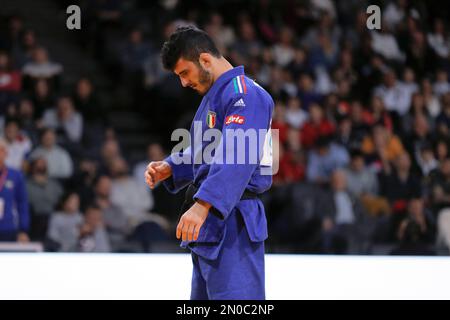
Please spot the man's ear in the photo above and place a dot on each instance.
(205, 60)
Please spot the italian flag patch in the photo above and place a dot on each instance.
(211, 119)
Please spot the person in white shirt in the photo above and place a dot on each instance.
(395, 95)
(66, 118)
(59, 162)
(19, 144)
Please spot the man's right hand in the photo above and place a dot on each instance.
(157, 171)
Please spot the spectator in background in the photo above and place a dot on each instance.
(128, 194)
(44, 194)
(59, 162)
(222, 35)
(155, 152)
(324, 159)
(443, 120)
(23, 47)
(93, 236)
(64, 226)
(395, 96)
(441, 86)
(134, 52)
(381, 145)
(27, 119)
(110, 150)
(247, 45)
(10, 82)
(439, 40)
(42, 68)
(14, 215)
(360, 179)
(42, 98)
(432, 103)
(19, 145)
(440, 188)
(341, 221)
(317, 126)
(416, 232)
(295, 116)
(400, 185)
(307, 93)
(115, 220)
(67, 122)
(426, 160)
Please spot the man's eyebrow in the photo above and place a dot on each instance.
(185, 70)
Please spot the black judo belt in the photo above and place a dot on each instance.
(192, 190)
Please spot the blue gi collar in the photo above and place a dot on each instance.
(224, 79)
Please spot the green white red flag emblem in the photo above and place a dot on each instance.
(211, 119)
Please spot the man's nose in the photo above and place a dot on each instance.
(184, 82)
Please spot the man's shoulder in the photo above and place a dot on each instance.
(242, 88)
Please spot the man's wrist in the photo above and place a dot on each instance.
(204, 204)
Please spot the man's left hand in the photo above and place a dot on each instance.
(192, 220)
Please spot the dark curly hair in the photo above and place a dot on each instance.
(187, 42)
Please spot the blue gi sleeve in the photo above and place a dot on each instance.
(226, 182)
(21, 199)
(182, 173)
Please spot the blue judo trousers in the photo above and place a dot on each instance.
(228, 256)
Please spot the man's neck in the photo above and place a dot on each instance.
(221, 67)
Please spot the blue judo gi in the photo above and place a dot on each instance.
(228, 256)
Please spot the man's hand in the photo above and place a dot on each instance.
(192, 220)
(157, 171)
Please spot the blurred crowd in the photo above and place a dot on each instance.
(363, 118)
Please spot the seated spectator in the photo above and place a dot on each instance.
(443, 119)
(307, 93)
(19, 145)
(441, 86)
(279, 121)
(426, 160)
(416, 234)
(59, 162)
(441, 149)
(93, 236)
(439, 186)
(420, 137)
(115, 220)
(27, 119)
(67, 122)
(42, 68)
(342, 219)
(317, 126)
(395, 96)
(379, 114)
(128, 194)
(360, 179)
(432, 101)
(14, 215)
(291, 166)
(400, 185)
(439, 40)
(42, 98)
(325, 158)
(295, 116)
(110, 150)
(44, 194)
(381, 144)
(155, 152)
(10, 82)
(64, 225)
(87, 103)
